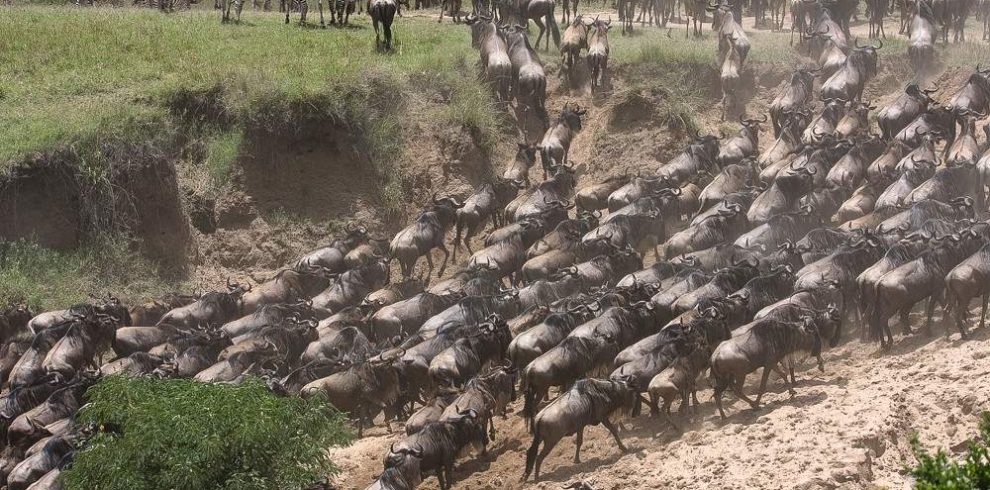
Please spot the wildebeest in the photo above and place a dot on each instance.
(524, 160)
(425, 234)
(382, 12)
(486, 202)
(528, 75)
(905, 108)
(921, 47)
(487, 37)
(106, 306)
(37, 465)
(439, 444)
(848, 82)
(587, 402)
(288, 285)
(363, 390)
(725, 22)
(14, 322)
(765, 345)
(64, 402)
(924, 277)
(796, 96)
(974, 96)
(150, 312)
(722, 227)
(532, 343)
(556, 141)
(214, 308)
(349, 288)
(404, 317)
(81, 343)
(574, 41)
(938, 120)
(469, 355)
(967, 280)
(332, 256)
(598, 52)
(488, 395)
(730, 79)
(744, 145)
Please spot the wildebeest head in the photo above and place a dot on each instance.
(571, 117)
(865, 58)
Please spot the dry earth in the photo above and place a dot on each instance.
(846, 428)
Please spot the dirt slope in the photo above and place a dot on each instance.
(848, 427)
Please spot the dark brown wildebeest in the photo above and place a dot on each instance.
(966, 281)
(725, 23)
(696, 10)
(540, 12)
(437, 446)
(904, 109)
(598, 53)
(488, 38)
(796, 96)
(524, 160)
(574, 41)
(424, 235)
(383, 12)
(766, 344)
(485, 203)
(974, 96)
(455, 9)
(557, 140)
(586, 402)
(854, 120)
(744, 145)
(363, 390)
(214, 308)
(570, 9)
(287, 286)
(528, 76)
(848, 82)
(730, 81)
(921, 47)
(877, 10)
(900, 289)
(14, 322)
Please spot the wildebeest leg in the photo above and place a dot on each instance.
(763, 385)
(319, 3)
(543, 454)
(446, 255)
(905, 323)
(580, 432)
(737, 388)
(543, 29)
(615, 434)
(983, 311)
(929, 312)
(720, 386)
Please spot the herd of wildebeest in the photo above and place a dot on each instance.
(762, 254)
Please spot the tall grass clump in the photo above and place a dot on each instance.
(48, 279)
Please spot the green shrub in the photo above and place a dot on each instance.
(939, 472)
(181, 434)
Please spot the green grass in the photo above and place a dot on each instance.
(70, 72)
(48, 279)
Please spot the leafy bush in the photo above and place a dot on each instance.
(183, 434)
(938, 472)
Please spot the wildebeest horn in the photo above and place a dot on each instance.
(878, 46)
(435, 200)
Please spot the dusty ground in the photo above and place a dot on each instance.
(848, 428)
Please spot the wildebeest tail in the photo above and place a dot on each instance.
(552, 27)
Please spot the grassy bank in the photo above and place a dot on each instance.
(47, 279)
